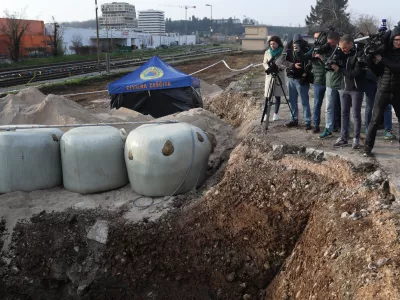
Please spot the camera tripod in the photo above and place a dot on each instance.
(268, 100)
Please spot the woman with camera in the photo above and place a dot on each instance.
(272, 62)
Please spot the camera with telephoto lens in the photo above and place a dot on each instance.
(321, 45)
(334, 59)
(272, 67)
(376, 45)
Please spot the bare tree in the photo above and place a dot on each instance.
(366, 23)
(390, 23)
(77, 41)
(57, 38)
(14, 28)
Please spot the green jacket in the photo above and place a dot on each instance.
(318, 69)
(333, 80)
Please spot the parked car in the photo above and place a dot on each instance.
(150, 47)
(162, 47)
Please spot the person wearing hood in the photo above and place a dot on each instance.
(274, 53)
(351, 93)
(387, 67)
(299, 79)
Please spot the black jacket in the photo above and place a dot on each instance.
(388, 69)
(296, 57)
(353, 75)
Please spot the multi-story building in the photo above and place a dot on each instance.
(118, 15)
(152, 21)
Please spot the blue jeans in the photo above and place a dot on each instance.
(295, 90)
(331, 114)
(319, 93)
(370, 92)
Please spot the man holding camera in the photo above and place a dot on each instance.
(333, 83)
(351, 93)
(318, 70)
(387, 67)
(299, 84)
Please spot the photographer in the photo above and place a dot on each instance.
(333, 84)
(387, 67)
(351, 94)
(370, 89)
(319, 75)
(273, 65)
(299, 79)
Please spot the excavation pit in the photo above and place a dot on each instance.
(281, 226)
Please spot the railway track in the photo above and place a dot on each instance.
(18, 76)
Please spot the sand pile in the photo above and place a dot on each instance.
(30, 106)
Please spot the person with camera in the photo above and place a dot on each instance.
(333, 83)
(299, 79)
(370, 89)
(387, 67)
(319, 75)
(351, 93)
(273, 66)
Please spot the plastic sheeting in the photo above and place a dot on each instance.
(30, 160)
(162, 158)
(93, 159)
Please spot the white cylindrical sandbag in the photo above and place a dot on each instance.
(158, 158)
(30, 159)
(93, 159)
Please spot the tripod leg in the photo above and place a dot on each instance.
(268, 103)
(268, 111)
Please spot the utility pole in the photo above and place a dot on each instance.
(186, 32)
(211, 27)
(97, 32)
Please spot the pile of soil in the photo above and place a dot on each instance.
(30, 106)
(228, 244)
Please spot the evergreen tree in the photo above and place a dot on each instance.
(329, 13)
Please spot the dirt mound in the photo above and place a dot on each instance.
(230, 244)
(32, 107)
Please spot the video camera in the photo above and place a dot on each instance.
(272, 67)
(376, 45)
(321, 45)
(334, 59)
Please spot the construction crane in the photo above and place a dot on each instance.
(186, 8)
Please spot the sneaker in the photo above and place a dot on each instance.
(308, 127)
(292, 124)
(356, 144)
(367, 150)
(325, 134)
(275, 118)
(389, 135)
(340, 143)
(316, 130)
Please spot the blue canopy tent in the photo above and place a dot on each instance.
(156, 89)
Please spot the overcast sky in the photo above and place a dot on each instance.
(271, 12)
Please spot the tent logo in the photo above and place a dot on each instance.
(151, 73)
